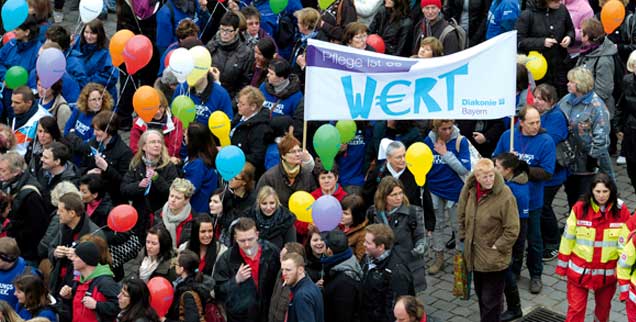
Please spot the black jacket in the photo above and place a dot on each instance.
(394, 33)
(491, 129)
(534, 26)
(234, 61)
(157, 196)
(382, 286)
(336, 17)
(118, 156)
(253, 136)
(278, 229)
(47, 182)
(425, 29)
(477, 17)
(191, 311)
(28, 217)
(244, 302)
(306, 304)
(342, 291)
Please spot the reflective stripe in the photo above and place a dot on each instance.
(632, 296)
(562, 263)
(598, 271)
(623, 288)
(591, 243)
(623, 264)
(569, 236)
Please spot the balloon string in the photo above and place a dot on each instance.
(98, 230)
(108, 82)
(78, 27)
(210, 19)
(101, 143)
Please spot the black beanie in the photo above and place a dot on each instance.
(88, 253)
(336, 240)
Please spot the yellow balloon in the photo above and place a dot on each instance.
(300, 203)
(419, 160)
(202, 62)
(537, 65)
(219, 125)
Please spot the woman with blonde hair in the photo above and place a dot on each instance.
(92, 99)
(150, 174)
(274, 222)
(177, 214)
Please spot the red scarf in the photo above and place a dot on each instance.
(481, 193)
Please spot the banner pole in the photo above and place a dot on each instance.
(512, 133)
(304, 135)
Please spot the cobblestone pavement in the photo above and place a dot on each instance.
(441, 304)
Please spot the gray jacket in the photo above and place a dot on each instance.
(601, 63)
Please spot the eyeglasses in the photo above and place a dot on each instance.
(295, 151)
(226, 30)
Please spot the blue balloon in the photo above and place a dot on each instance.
(14, 13)
(230, 162)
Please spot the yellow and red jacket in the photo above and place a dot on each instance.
(625, 273)
(591, 244)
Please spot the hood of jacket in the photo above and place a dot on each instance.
(292, 88)
(433, 135)
(100, 270)
(349, 267)
(607, 48)
(521, 178)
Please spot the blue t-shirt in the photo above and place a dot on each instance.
(442, 180)
(556, 125)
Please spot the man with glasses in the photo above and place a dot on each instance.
(231, 55)
(245, 274)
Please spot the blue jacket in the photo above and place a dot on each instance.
(70, 87)
(351, 162)
(162, 66)
(6, 281)
(98, 66)
(502, 17)
(205, 181)
(218, 99)
(306, 303)
(81, 124)
(537, 151)
(286, 102)
(16, 53)
(520, 189)
(45, 313)
(444, 178)
(168, 20)
(556, 125)
(269, 20)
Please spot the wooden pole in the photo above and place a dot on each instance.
(512, 133)
(304, 135)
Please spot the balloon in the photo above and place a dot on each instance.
(612, 15)
(230, 162)
(347, 130)
(202, 62)
(7, 36)
(537, 65)
(219, 125)
(376, 42)
(300, 204)
(419, 160)
(327, 212)
(324, 4)
(327, 144)
(161, 294)
(166, 61)
(181, 64)
(14, 13)
(277, 5)
(117, 45)
(137, 53)
(90, 9)
(16, 76)
(122, 218)
(50, 66)
(183, 108)
(146, 102)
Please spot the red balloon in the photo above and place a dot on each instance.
(122, 218)
(8, 36)
(166, 61)
(376, 42)
(161, 294)
(137, 53)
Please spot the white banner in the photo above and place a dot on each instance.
(344, 83)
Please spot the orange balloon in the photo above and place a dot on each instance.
(146, 102)
(117, 44)
(612, 15)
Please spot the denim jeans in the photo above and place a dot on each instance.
(534, 261)
(549, 222)
(517, 254)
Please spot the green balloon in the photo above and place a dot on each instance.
(183, 108)
(16, 76)
(327, 144)
(277, 6)
(347, 130)
(324, 4)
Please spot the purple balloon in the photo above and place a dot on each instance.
(326, 212)
(50, 66)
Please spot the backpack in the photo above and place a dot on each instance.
(627, 29)
(474, 154)
(461, 33)
(619, 73)
(212, 312)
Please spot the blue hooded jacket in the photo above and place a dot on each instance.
(6, 281)
(556, 125)
(70, 87)
(98, 66)
(16, 53)
(205, 181)
(81, 124)
(217, 100)
(502, 17)
(351, 162)
(168, 18)
(521, 192)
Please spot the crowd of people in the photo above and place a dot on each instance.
(232, 249)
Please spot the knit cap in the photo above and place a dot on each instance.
(88, 253)
(437, 3)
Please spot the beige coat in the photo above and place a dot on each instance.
(492, 221)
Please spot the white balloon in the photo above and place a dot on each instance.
(90, 9)
(181, 64)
